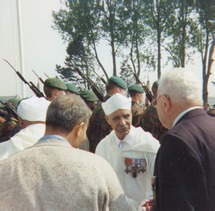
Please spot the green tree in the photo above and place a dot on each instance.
(139, 33)
(140, 36)
(81, 18)
(125, 73)
(156, 18)
(119, 23)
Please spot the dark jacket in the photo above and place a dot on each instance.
(185, 165)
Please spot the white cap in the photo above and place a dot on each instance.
(33, 109)
(116, 102)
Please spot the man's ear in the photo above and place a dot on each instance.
(55, 91)
(166, 104)
(73, 136)
(78, 129)
(107, 119)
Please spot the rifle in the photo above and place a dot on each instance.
(92, 84)
(46, 75)
(10, 108)
(38, 77)
(147, 91)
(36, 91)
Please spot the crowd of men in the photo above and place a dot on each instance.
(68, 151)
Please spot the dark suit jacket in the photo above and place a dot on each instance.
(185, 165)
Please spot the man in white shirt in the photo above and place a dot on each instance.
(32, 114)
(130, 151)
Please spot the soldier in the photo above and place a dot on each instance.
(98, 127)
(53, 87)
(9, 121)
(136, 93)
(129, 150)
(9, 126)
(71, 89)
(89, 98)
(150, 121)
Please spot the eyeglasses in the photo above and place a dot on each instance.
(155, 101)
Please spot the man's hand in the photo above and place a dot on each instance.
(148, 205)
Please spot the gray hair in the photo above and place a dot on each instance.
(66, 111)
(181, 85)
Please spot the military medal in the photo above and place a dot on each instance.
(135, 166)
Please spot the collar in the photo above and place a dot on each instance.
(55, 137)
(128, 139)
(183, 113)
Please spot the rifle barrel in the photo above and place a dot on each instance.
(147, 91)
(30, 84)
(38, 77)
(92, 84)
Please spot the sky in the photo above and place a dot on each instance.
(41, 46)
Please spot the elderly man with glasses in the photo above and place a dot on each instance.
(184, 168)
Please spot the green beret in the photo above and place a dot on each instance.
(88, 95)
(72, 88)
(118, 81)
(55, 83)
(14, 102)
(155, 84)
(135, 88)
(2, 106)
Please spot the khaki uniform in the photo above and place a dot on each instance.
(151, 123)
(98, 128)
(137, 112)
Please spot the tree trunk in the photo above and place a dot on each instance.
(209, 69)
(205, 71)
(113, 57)
(183, 39)
(137, 55)
(98, 60)
(158, 40)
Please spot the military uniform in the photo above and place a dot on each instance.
(151, 123)
(9, 128)
(136, 109)
(137, 112)
(98, 127)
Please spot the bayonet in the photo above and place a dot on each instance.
(36, 91)
(38, 77)
(147, 91)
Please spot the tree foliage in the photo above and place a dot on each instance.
(143, 35)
